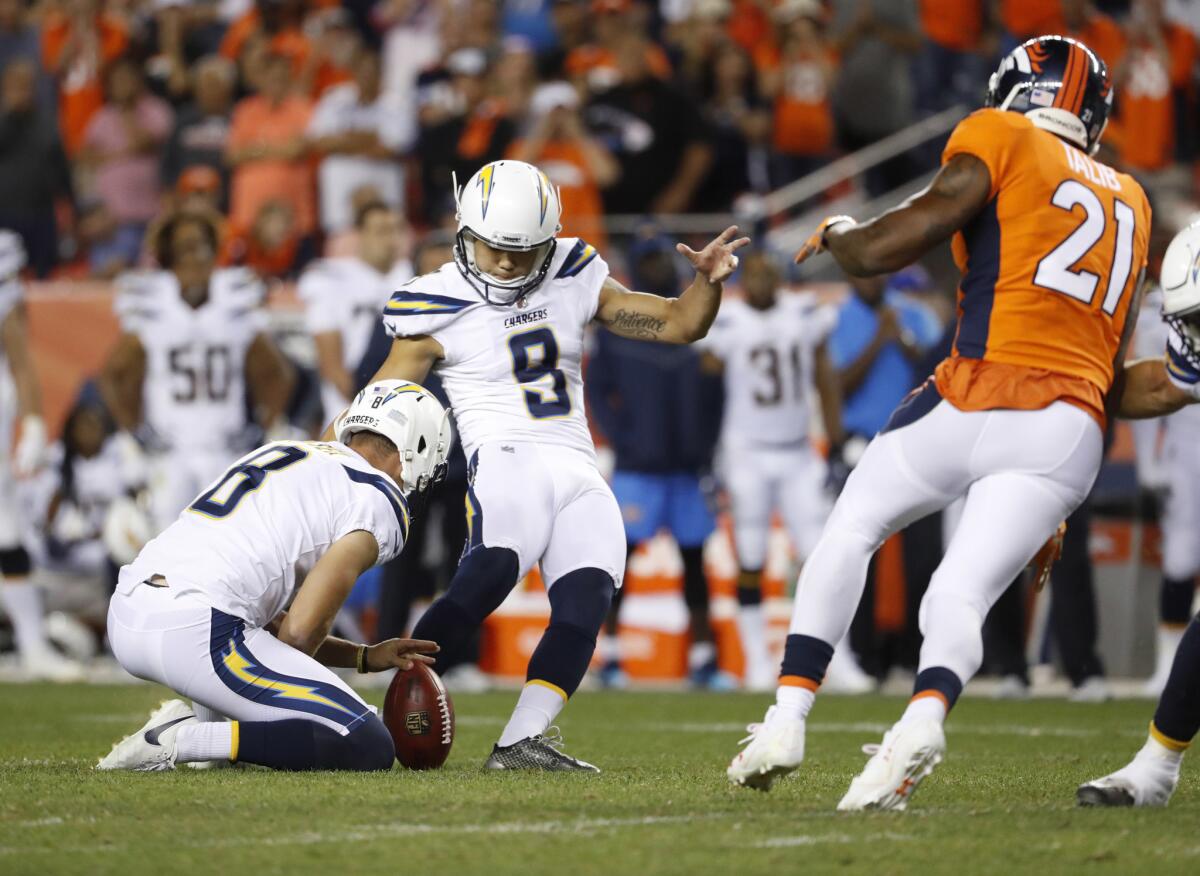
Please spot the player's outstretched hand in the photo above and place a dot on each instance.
(717, 260)
(816, 241)
(400, 654)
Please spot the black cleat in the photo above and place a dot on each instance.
(537, 753)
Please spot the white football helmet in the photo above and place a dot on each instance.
(1180, 280)
(410, 417)
(508, 205)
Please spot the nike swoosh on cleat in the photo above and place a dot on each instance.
(151, 735)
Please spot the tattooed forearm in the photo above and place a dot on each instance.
(637, 325)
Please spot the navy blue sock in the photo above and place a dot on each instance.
(1175, 600)
(483, 579)
(941, 681)
(1178, 714)
(805, 657)
(579, 603)
(749, 587)
(297, 744)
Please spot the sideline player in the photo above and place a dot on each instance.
(1052, 246)
(193, 339)
(503, 327)
(20, 397)
(343, 297)
(772, 351)
(1150, 778)
(202, 608)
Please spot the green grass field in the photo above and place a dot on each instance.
(1001, 803)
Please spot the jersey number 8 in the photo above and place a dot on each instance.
(535, 357)
(243, 478)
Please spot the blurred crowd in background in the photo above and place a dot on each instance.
(296, 133)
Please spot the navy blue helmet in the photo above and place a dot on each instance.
(1060, 84)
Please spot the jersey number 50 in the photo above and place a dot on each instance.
(245, 477)
(535, 357)
(1054, 271)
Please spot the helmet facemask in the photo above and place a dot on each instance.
(495, 290)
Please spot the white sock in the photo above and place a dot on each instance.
(204, 741)
(752, 631)
(1168, 643)
(537, 707)
(206, 715)
(610, 649)
(793, 701)
(1156, 749)
(929, 708)
(701, 654)
(23, 602)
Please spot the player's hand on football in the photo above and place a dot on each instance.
(400, 654)
(816, 241)
(717, 260)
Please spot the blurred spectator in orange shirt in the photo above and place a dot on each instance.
(615, 23)
(267, 150)
(123, 145)
(1083, 21)
(950, 68)
(797, 78)
(1022, 19)
(578, 164)
(273, 246)
(1158, 62)
(77, 44)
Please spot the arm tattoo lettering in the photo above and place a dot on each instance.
(637, 325)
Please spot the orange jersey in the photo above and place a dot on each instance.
(1049, 269)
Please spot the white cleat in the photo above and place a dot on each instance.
(46, 664)
(1093, 690)
(152, 748)
(776, 747)
(1148, 780)
(908, 753)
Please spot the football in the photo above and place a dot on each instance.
(420, 716)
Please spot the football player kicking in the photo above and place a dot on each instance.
(503, 325)
(1150, 778)
(201, 609)
(1052, 245)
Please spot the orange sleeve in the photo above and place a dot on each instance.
(54, 37)
(988, 136)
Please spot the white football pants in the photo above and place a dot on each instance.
(1021, 472)
(547, 503)
(760, 479)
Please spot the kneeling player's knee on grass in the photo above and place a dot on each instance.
(366, 748)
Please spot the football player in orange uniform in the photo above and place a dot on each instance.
(1051, 245)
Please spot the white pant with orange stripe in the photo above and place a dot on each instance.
(219, 662)
(1021, 474)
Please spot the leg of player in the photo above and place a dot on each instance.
(1150, 778)
(484, 579)
(612, 675)
(750, 499)
(1175, 605)
(22, 601)
(1006, 519)
(290, 712)
(691, 523)
(579, 603)
(879, 498)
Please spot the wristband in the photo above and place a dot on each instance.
(360, 661)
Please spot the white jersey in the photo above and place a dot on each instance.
(346, 295)
(511, 373)
(243, 544)
(194, 394)
(769, 363)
